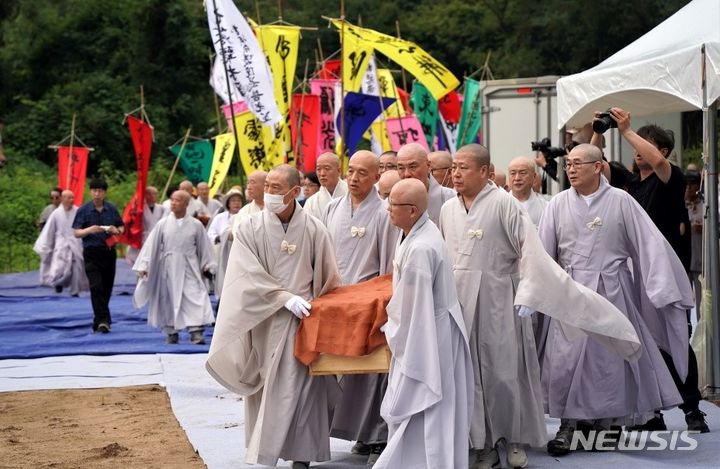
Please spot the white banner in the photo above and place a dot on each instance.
(246, 64)
(219, 83)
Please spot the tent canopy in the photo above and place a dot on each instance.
(661, 72)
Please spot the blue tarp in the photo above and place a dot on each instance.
(37, 322)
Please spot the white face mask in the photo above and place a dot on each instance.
(275, 202)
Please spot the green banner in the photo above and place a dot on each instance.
(471, 117)
(426, 110)
(196, 160)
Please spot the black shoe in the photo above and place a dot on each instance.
(58, 289)
(655, 424)
(172, 338)
(560, 445)
(103, 327)
(300, 465)
(695, 420)
(375, 452)
(197, 338)
(360, 448)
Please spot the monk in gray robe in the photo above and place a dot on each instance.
(521, 172)
(280, 258)
(364, 241)
(332, 187)
(170, 266)
(61, 253)
(428, 402)
(595, 231)
(255, 191)
(412, 162)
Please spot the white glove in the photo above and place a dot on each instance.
(383, 327)
(525, 311)
(298, 306)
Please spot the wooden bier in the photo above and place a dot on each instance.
(376, 362)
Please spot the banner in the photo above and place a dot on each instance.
(404, 130)
(219, 82)
(471, 117)
(426, 110)
(305, 130)
(246, 64)
(331, 70)
(72, 170)
(386, 82)
(380, 142)
(239, 107)
(196, 160)
(325, 89)
(450, 135)
(252, 145)
(222, 156)
(356, 55)
(449, 106)
(358, 112)
(431, 73)
(281, 44)
(141, 134)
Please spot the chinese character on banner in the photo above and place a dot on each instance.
(405, 130)
(72, 169)
(306, 129)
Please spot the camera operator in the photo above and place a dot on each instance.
(659, 187)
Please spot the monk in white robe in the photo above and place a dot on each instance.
(594, 231)
(521, 173)
(255, 191)
(210, 206)
(412, 162)
(280, 258)
(61, 253)
(428, 402)
(332, 187)
(364, 241)
(170, 266)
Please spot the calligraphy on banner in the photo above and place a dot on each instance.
(331, 69)
(325, 89)
(431, 73)
(141, 135)
(358, 113)
(246, 64)
(404, 130)
(196, 160)
(222, 156)
(305, 129)
(471, 117)
(252, 144)
(219, 83)
(449, 106)
(72, 169)
(426, 110)
(386, 82)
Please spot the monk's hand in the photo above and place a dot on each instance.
(298, 306)
(524, 311)
(142, 273)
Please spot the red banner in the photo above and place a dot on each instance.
(307, 107)
(325, 89)
(332, 70)
(450, 107)
(141, 134)
(72, 169)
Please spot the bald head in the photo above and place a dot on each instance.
(256, 186)
(367, 158)
(407, 202)
(67, 197)
(441, 166)
(412, 162)
(477, 153)
(521, 172)
(186, 186)
(290, 174)
(327, 167)
(387, 180)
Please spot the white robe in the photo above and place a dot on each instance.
(218, 225)
(211, 208)
(247, 211)
(174, 256)
(534, 206)
(287, 411)
(316, 204)
(61, 253)
(359, 258)
(428, 402)
(150, 219)
(437, 196)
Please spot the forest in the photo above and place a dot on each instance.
(91, 58)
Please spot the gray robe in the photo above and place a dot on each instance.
(428, 402)
(287, 411)
(174, 257)
(437, 196)
(150, 219)
(595, 245)
(360, 258)
(61, 253)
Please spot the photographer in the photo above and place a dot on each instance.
(659, 187)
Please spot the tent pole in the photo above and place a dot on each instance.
(711, 194)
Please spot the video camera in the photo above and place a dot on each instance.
(545, 147)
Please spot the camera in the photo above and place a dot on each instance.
(545, 147)
(603, 122)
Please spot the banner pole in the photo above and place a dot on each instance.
(177, 160)
(299, 120)
(68, 176)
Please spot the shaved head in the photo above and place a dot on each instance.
(387, 180)
(412, 150)
(329, 158)
(256, 186)
(327, 168)
(521, 172)
(67, 197)
(412, 162)
(407, 202)
(367, 158)
(441, 166)
(186, 186)
(440, 158)
(291, 175)
(478, 153)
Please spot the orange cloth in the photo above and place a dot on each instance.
(345, 321)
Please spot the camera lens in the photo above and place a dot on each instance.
(603, 123)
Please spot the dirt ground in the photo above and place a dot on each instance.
(131, 427)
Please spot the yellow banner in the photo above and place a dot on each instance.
(386, 82)
(252, 144)
(431, 73)
(222, 156)
(379, 131)
(281, 45)
(356, 56)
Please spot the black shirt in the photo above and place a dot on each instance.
(663, 202)
(88, 216)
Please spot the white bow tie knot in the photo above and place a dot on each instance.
(357, 231)
(475, 234)
(287, 247)
(596, 222)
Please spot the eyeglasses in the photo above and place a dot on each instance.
(569, 164)
(387, 166)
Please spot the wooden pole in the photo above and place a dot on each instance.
(215, 98)
(70, 153)
(402, 70)
(177, 160)
(342, 87)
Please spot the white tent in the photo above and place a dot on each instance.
(659, 73)
(674, 67)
